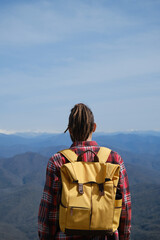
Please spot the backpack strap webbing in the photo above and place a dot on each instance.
(103, 154)
(69, 154)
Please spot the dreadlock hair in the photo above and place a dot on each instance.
(81, 122)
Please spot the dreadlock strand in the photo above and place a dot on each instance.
(81, 122)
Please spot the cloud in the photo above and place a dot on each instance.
(3, 131)
(44, 22)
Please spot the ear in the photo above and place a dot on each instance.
(94, 127)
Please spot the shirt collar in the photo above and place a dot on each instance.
(84, 143)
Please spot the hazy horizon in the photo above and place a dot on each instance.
(29, 133)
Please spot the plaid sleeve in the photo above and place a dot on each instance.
(48, 210)
(125, 220)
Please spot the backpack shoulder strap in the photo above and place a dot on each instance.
(69, 154)
(103, 154)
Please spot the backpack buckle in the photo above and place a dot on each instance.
(80, 188)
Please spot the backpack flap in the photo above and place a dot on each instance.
(84, 172)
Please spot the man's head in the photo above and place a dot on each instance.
(81, 123)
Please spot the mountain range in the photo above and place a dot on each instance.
(23, 161)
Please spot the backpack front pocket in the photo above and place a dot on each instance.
(102, 207)
(79, 217)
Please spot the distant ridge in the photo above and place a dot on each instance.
(136, 142)
(43, 133)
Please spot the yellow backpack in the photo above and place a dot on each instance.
(90, 202)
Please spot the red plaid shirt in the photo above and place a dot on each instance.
(48, 218)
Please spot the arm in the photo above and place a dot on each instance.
(49, 206)
(125, 220)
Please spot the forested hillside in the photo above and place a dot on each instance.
(22, 177)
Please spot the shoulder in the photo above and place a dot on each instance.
(56, 161)
(115, 157)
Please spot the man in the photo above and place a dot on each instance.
(81, 126)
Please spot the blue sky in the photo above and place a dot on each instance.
(103, 53)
